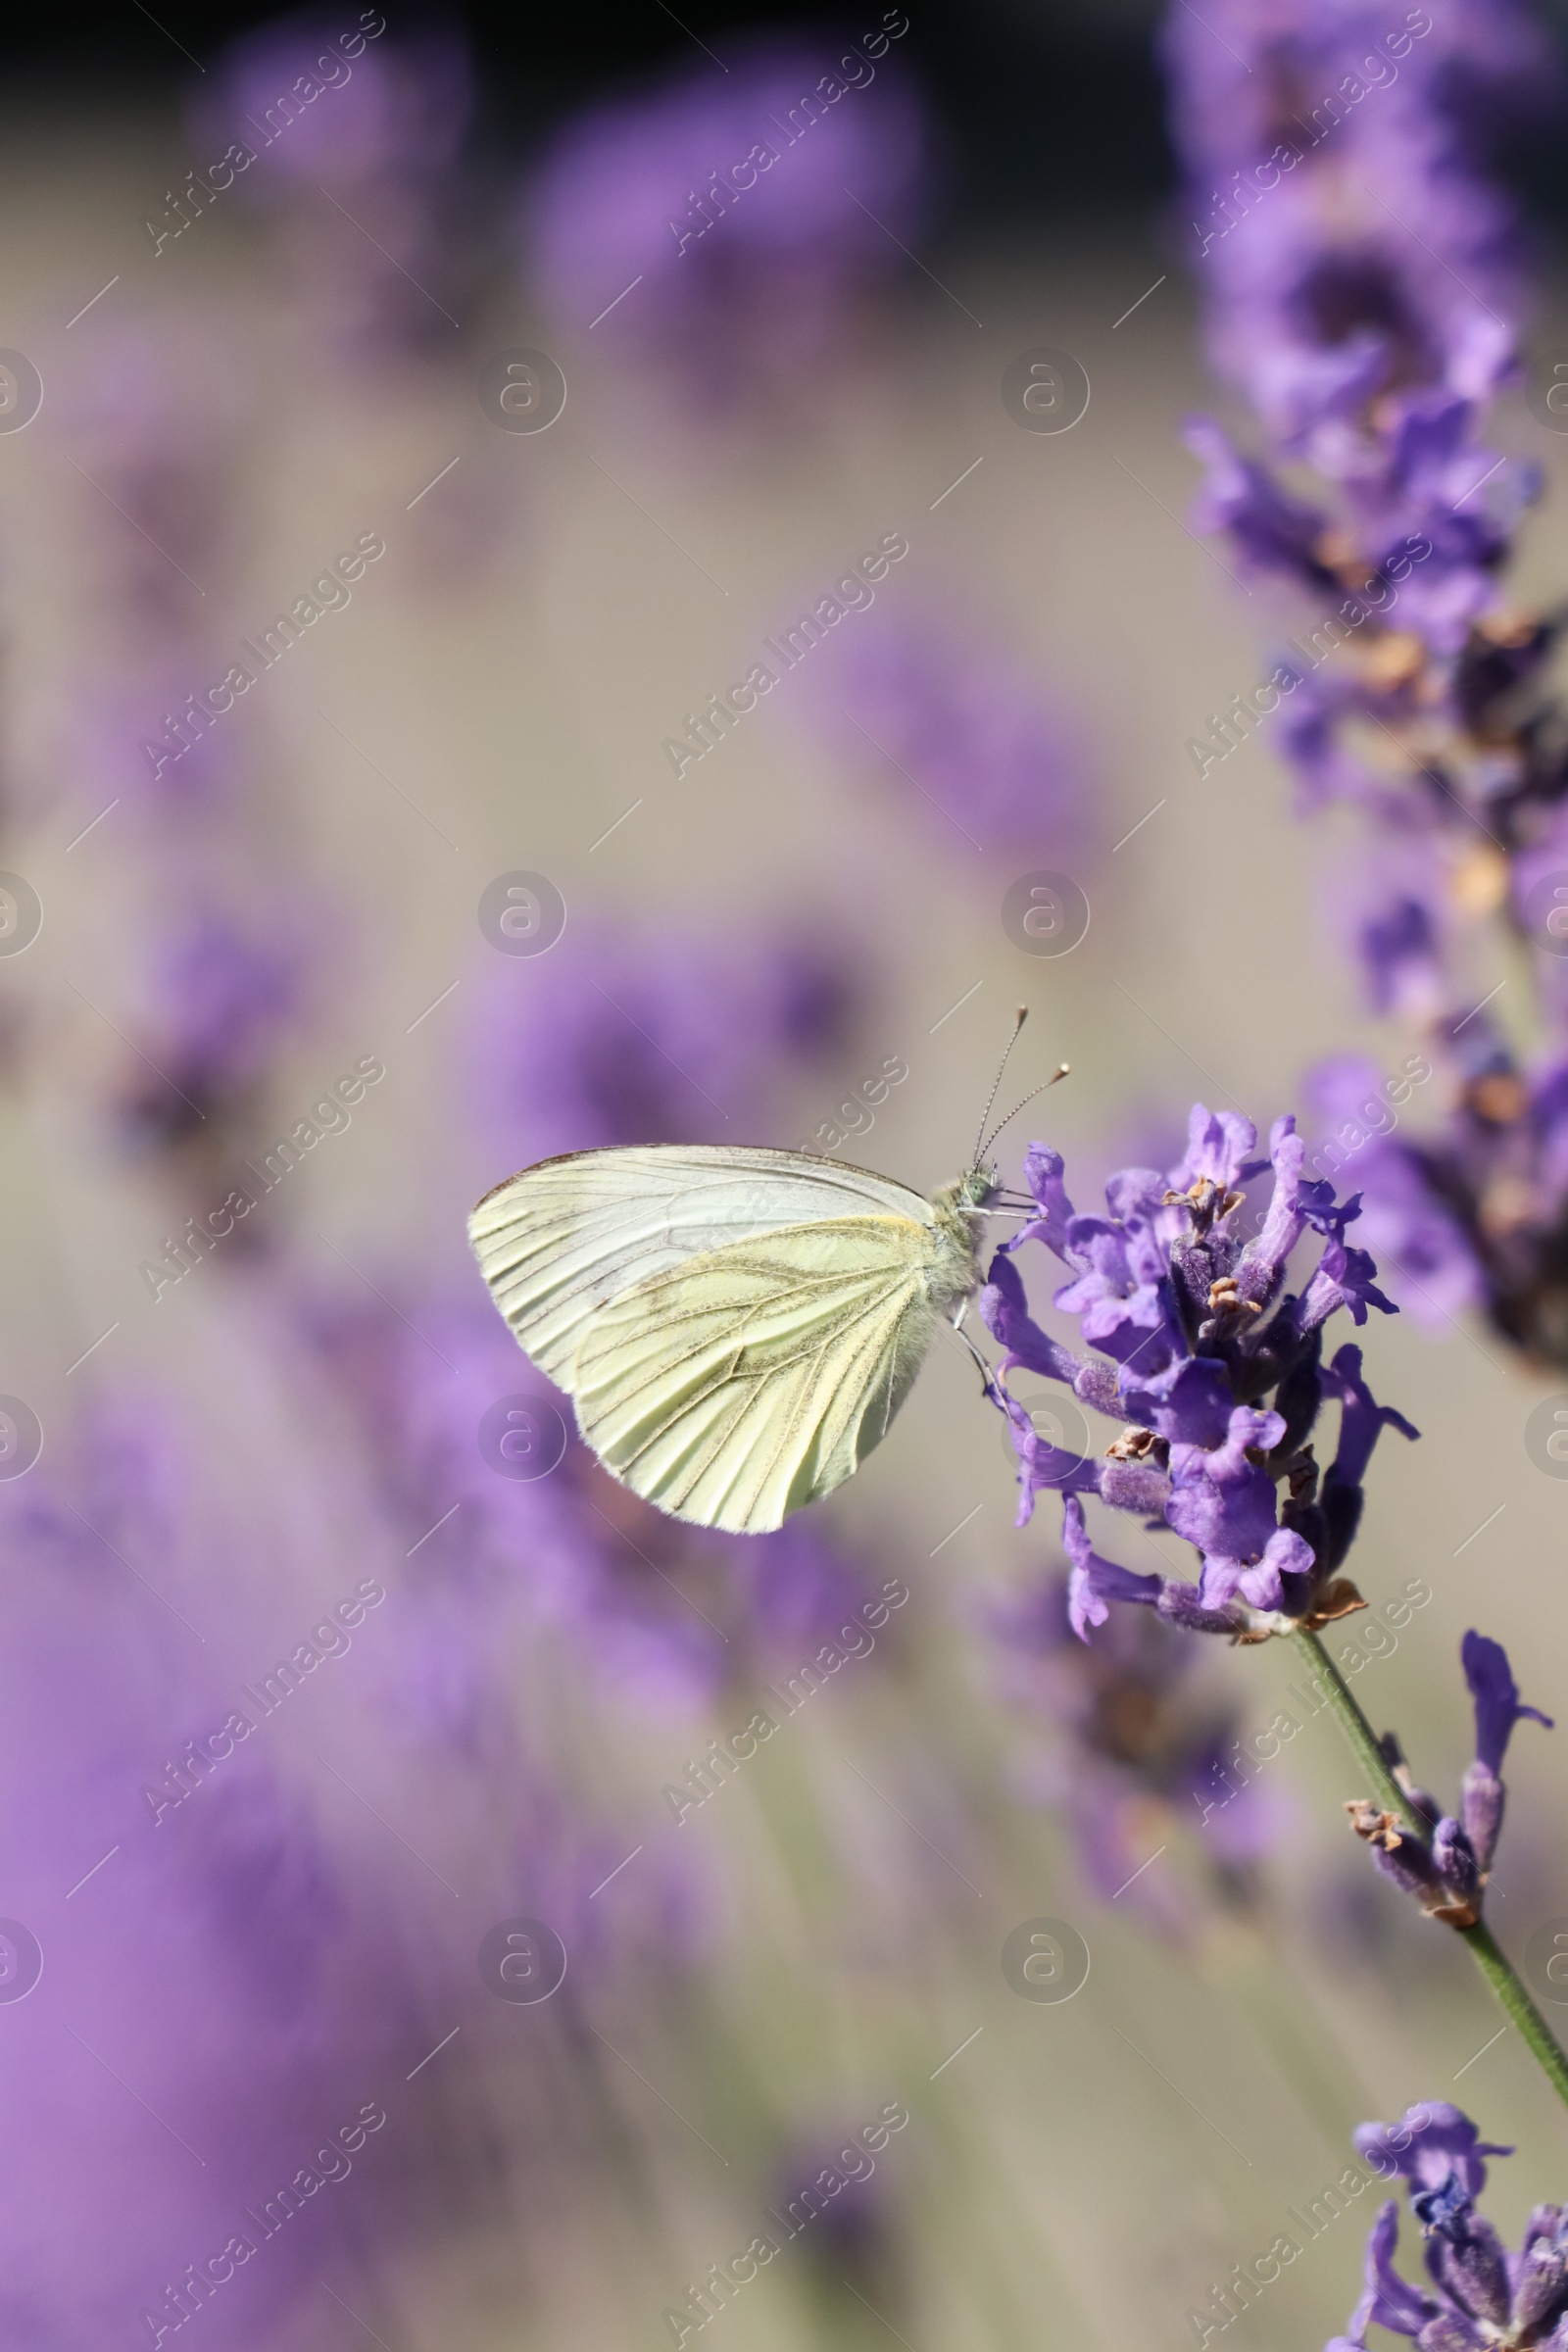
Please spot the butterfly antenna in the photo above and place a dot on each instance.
(1023, 1015)
(1065, 1071)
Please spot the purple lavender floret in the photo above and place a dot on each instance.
(1477, 2294)
(1215, 1372)
(1498, 1708)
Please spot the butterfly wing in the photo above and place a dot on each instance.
(753, 1378)
(560, 1241)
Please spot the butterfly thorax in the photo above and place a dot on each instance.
(957, 1208)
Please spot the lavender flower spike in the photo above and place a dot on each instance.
(1214, 1371)
(1446, 1870)
(1314, 135)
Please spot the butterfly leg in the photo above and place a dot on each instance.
(987, 1383)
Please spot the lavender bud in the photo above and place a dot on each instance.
(1409, 1865)
(1447, 2333)
(1455, 1858)
(1095, 1386)
(1481, 1801)
(1179, 1604)
(1422, 1801)
(1472, 2267)
(1545, 2222)
(1135, 1487)
(1543, 2287)
(1401, 1855)
(1464, 2253)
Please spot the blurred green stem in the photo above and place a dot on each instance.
(1493, 1965)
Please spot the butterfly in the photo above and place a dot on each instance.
(736, 1327)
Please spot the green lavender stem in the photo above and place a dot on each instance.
(1493, 1965)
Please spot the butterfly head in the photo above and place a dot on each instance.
(962, 1205)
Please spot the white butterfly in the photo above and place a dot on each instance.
(737, 1328)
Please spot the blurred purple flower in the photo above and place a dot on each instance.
(1408, 1223)
(831, 2191)
(242, 1969)
(988, 752)
(358, 139)
(1139, 1756)
(219, 999)
(1400, 945)
(318, 102)
(215, 992)
(1468, 1215)
(651, 1040)
(1348, 247)
(155, 433)
(665, 1613)
(232, 1921)
(724, 224)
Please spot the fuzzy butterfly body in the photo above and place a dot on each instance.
(736, 1328)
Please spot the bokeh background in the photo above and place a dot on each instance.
(250, 1954)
